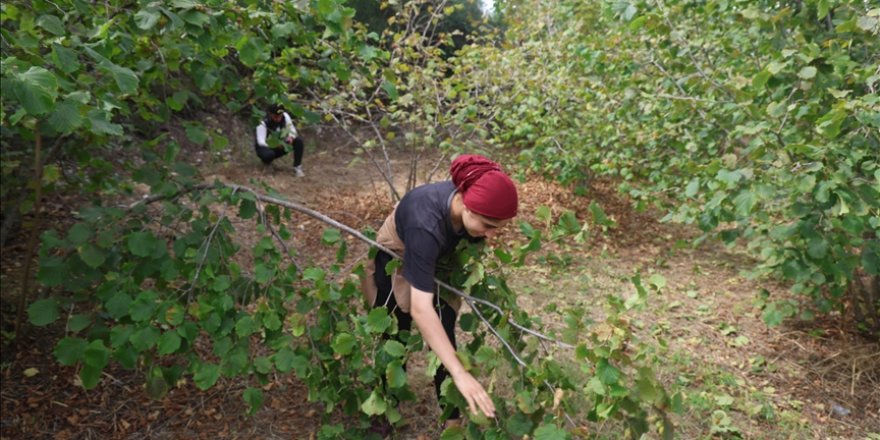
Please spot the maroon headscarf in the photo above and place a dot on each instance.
(485, 189)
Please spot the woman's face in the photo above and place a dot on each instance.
(479, 226)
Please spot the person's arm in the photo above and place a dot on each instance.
(261, 135)
(292, 134)
(422, 311)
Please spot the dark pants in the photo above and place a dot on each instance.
(448, 315)
(267, 155)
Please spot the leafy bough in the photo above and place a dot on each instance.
(471, 300)
(346, 361)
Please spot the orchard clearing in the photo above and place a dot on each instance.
(739, 377)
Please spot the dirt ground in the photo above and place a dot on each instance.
(819, 379)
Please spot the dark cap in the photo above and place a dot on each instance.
(275, 109)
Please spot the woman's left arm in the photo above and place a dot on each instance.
(422, 310)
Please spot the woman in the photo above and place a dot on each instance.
(425, 228)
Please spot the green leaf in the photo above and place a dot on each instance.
(606, 372)
(120, 335)
(51, 174)
(395, 375)
(79, 322)
(206, 375)
(263, 273)
(569, 222)
(657, 280)
(525, 401)
(156, 386)
(251, 50)
(196, 134)
(822, 9)
(394, 348)
(744, 202)
(817, 248)
(724, 399)
(693, 187)
(759, 80)
(174, 315)
(169, 342)
(314, 274)
(36, 90)
(772, 316)
(550, 432)
(80, 96)
(196, 18)
(90, 376)
(65, 59)
(96, 354)
(519, 425)
(263, 365)
(331, 236)
(808, 72)
(378, 320)
(91, 255)
(43, 312)
(125, 78)
(453, 433)
(100, 121)
(70, 350)
(468, 322)
(219, 142)
(543, 214)
(177, 100)
(144, 338)
(254, 398)
(390, 89)
(118, 304)
(66, 117)
(599, 216)
(281, 30)
(146, 18)
(286, 360)
(141, 243)
(52, 24)
(829, 124)
(343, 344)
(247, 209)
(374, 405)
(144, 306)
(246, 326)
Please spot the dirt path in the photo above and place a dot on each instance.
(795, 381)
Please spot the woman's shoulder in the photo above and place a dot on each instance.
(435, 189)
(426, 205)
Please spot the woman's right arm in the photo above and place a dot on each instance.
(422, 311)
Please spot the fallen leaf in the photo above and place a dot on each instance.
(31, 372)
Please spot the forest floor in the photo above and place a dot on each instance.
(739, 378)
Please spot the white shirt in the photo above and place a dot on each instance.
(262, 130)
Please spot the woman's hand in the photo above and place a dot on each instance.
(425, 317)
(474, 393)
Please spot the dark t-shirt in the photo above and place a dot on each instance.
(424, 224)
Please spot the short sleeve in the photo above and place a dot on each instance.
(420, 259)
